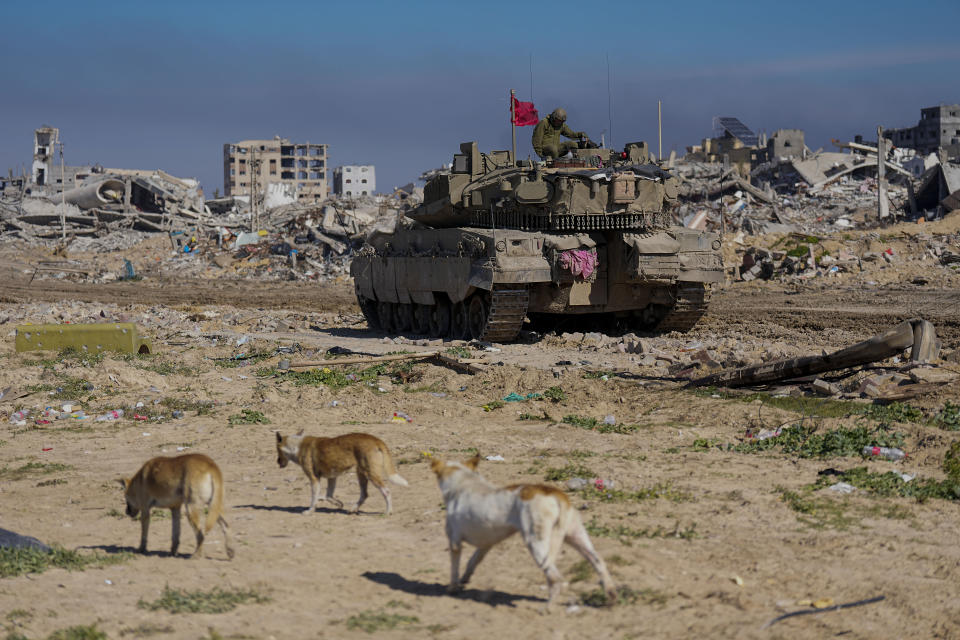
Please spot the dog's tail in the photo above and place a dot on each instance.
(391, 469)
(396, 478)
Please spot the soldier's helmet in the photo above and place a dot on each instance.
(559, 114)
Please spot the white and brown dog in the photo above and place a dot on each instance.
(483, 515)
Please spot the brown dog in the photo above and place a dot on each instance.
(192, 481)
(332, 457)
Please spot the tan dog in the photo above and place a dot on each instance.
(332, 457)
(192, 481)
(483, 515)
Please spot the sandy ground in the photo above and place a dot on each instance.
(715, 552)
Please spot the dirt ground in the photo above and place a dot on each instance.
(710, 542)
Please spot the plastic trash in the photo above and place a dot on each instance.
(335, 403)
(513, 397)
(19, 416)
(496, 458)
(109, 416)
(609, 420)
(889, 453)
(399, 416)
(177, 414)
(575, 484)
(842, 487)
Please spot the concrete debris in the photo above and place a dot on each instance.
(917, 335)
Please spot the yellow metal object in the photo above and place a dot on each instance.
(90, 338)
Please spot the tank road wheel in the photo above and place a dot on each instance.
(440, 319)
(404, 317)
(458, 321)
(385, 316)
(421, 319)
(369, 310)
(477, 316)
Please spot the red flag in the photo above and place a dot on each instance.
(524, 113)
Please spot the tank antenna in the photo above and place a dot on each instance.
(609, 104)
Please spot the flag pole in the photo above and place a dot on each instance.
(513, 127)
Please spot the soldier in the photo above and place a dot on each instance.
(546, 136)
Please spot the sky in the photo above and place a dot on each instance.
(164, 85)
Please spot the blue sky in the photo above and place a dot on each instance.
(400, 84)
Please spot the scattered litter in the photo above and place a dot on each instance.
(496, 458)
(889, 453)
(824, 608)
(47, 449)
(842, 487)
(399, 416)
(146, 434)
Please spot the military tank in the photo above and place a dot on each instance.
(497, 240)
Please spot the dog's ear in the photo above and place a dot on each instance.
(437, 465)
(300, 433)
(123, 483)
(472, 463)
(279, 437)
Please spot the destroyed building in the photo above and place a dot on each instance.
(939, 128)
(733, 143)
(253, 165)
(354, 180)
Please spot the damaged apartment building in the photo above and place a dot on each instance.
(736, 145)
(937, 131)
(278, 167)
(83, 198)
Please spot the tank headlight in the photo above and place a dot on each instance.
(501, 246)
(716, 245)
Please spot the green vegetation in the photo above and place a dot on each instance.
(65, 388)
(458, 352)
(146, 629)
(248, 416)
(78, 357)
(890, 483)
(493, 405)
(659, 491)
(557, 474)
(52, 482)
(18, 561)
(819, 512)
(80, 632)
(243, 359)
(32, 469)
(543, 417)
(626, 534)
(555, 394)
(949, 417)
(624, 595)
(598, 375)
(372, 621)
(805, 442)
(216, 600)
(599, 426)
(340, 377)
(201, 407)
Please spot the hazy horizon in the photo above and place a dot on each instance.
(399, 86)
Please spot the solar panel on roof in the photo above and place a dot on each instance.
(738, 130)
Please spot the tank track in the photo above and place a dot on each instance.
(508, 308)
(692, 299)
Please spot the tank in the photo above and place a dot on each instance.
(496, 241)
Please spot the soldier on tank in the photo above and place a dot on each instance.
(546, 135)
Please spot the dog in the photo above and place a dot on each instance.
(483, 515)
(193, 482)
(332, 457)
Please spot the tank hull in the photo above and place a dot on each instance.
(653, 281)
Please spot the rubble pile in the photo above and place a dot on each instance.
(293, 241)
